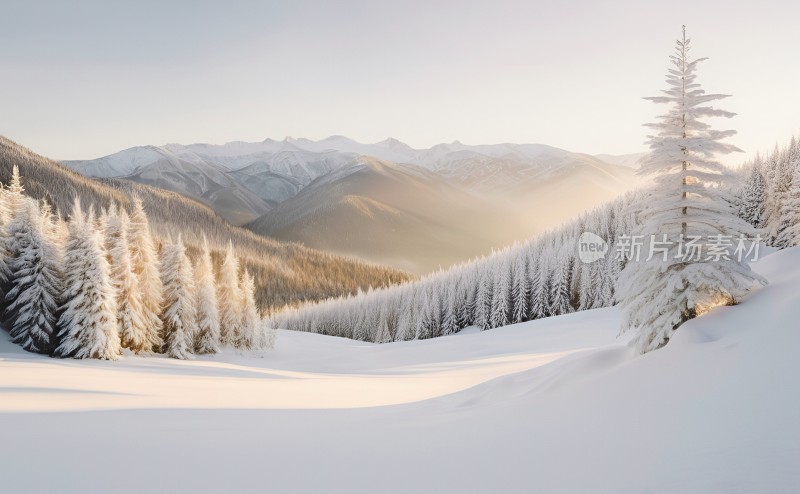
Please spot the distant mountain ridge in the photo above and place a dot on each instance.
(336, 194)
(242, 180)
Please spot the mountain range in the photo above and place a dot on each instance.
(415, 209)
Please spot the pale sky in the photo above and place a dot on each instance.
(84, 79)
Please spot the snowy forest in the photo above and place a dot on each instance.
(692, 194)
(98, 283)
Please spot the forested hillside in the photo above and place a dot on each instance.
(284, 272)
(544, 276)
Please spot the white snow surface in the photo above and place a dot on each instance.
(558, 405)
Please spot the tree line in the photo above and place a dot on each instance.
(99, 282)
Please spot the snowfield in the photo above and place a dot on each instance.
(554, 405)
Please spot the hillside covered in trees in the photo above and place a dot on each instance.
(544, 276)
(284, 273)
(89, 286)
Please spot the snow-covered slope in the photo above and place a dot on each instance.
(557, 405)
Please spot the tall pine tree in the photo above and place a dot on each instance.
(88, 322)
(144, 258)
(180, 312)
(207, 307)
(35, 281)
(659, 295)
(229, 296)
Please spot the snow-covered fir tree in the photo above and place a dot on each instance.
(789, 235)
(520, 291)
(144, 258)
(179, 318)
(501, 297)
(133, 330)
(13, 203)
(88, 322)
(659, 295)
(229, 296)
(754, 197)
(251, 320)
(34, 280)
(561, 283)
(208, 332)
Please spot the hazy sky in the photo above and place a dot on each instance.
(83, 79)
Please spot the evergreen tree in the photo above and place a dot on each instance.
(754, 198)
(251, 320)
(483, 300)
(790, 212)
(88, 322)
(130, 311)
(179, 318)
(207, 308)
(382, 334)
(450, 310)
(520, 290)
(658, 295)
(144, 258)
(540, 288)
(501, 296)
(230, 299)
(35, 281)
(13, 206)
(560, 285)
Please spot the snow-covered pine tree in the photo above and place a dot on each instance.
(450, 309)
(13, 205)
(777, 175)
(483, 299)
(133, 331)
(540, 286)
(789, 235)
(659, 295)
(88, 322)
(469, 292)
(382, 334)
(406, 321)
(229, 296)
(501, 296)
(248, 337)
(144, 257)
(16, 192)
(35, 281)
(179, 319)
(560, 284)
(754, 198)
(208, 332)
(434, 318)
(520, 290)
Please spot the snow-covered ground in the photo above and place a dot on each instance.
(556, 405)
